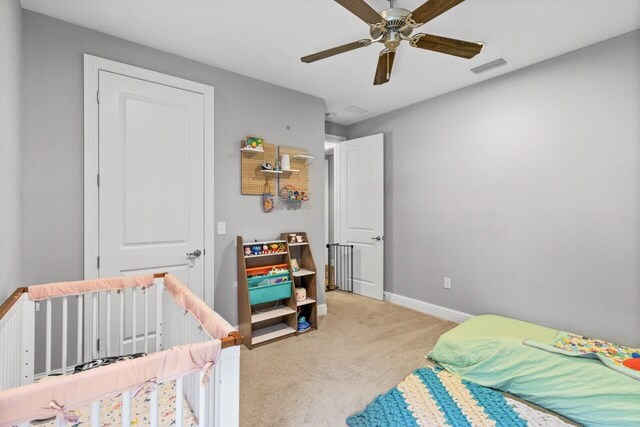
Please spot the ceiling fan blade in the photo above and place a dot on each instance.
(362, 10)
(385, 64)
(432, 9)
(446, 45)
(335, 50)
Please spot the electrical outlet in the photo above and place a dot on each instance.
(222, 228)
(447, 282)
(235, 284)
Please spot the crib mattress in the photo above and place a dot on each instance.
(111, 415)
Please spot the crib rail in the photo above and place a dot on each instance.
(208, 390)
(16, 340)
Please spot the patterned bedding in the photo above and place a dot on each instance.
(110, 413)
(435, 397)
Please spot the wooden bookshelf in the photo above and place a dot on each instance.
(264, 323)
(305, 278)
(270, 321)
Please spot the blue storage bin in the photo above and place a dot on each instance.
(269, 293)
(268, 279)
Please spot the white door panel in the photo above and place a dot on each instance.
(362, 211)
(151, 194)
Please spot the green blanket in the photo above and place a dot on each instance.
(488, 350)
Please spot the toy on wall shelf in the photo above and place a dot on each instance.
(253, 142)
(288, 192)
(247, 250)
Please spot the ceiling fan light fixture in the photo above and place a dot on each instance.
(391, 26)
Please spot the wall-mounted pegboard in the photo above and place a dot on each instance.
(298, 176)
(254, 181)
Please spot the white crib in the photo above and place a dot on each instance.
(83, 326)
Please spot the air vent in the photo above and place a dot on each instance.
(489, 66)
(356, 110)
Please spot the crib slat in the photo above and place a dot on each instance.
(202, 400)
(179, 401)
(126, 408)
(121, 292)
(65, 307)
(108, 337)
(153, 407)
(133, 318)
(80, 330)
(95, 414)
(146, 319)
(48, 344)
(94, 325)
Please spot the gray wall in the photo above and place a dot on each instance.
(10, 147)
(335, 129)
(525, 190)
(53, 151)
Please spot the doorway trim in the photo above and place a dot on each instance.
(92, 67)
(331, 145)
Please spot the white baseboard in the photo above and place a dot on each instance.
(427, 308)
(322, 309)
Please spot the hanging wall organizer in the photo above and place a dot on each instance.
(255, 181)
(294, 182)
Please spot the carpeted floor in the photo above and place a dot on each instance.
(362, 348)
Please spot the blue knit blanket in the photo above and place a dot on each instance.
(435, 397)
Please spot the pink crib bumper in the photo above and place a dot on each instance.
(55, 397)
(40, 400)
(211, 321)
(59, 289)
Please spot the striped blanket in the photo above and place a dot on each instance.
(434, 397)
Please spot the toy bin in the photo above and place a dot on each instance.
(269, 279)
(269, 293)
(267, 270)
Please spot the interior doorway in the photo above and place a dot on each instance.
(354, 215)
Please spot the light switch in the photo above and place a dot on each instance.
(222, 228)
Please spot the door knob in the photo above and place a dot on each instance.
(194, 254)
(378, 238)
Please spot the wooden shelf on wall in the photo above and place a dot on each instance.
(252, 150)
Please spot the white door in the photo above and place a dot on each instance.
(151, 195)
(362, 211)
(151, 140)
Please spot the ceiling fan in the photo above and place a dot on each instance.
(392, 26)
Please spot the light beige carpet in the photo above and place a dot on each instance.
(362, 348)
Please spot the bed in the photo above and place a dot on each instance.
(187, 373)
(489, 350)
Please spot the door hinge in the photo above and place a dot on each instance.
(98, 345)
(98, 97)
(98, 180)
(98, 262)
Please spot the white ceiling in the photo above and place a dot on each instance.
(265, 40)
